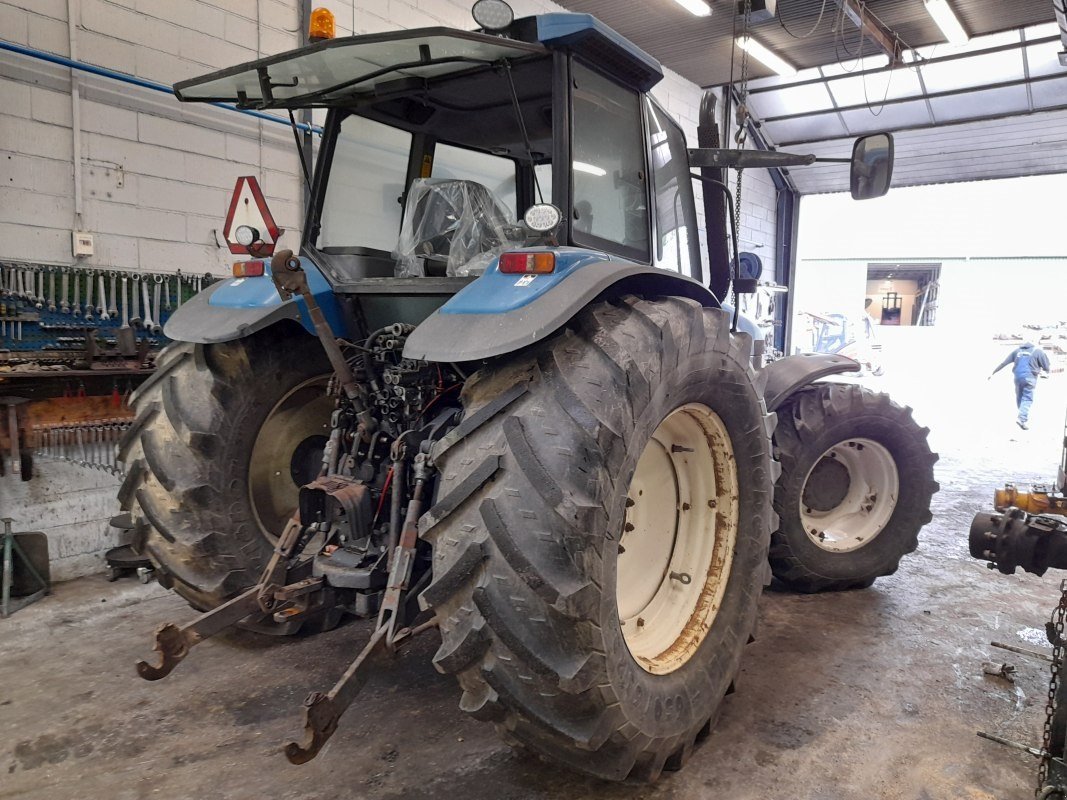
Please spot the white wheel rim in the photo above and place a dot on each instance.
(681, 521)
(841, 520)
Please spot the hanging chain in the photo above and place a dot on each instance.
(1054, 631)
(742, 114)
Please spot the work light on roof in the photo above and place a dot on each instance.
(493, 15)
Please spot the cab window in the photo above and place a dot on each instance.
(676, 238)
(608, 173)
(361, 207)
(495, 173)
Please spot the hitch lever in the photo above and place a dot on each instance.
(289, 279)
(322, 712)
(173, 643)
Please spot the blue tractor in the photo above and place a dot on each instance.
(494, 394)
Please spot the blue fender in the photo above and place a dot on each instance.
(238, 307)
(499, 313)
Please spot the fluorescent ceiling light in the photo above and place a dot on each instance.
(581, 166)
(698, 7)
(941, 11)
(765, 56)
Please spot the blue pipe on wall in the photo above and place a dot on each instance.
(144, 84)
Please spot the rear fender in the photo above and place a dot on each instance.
(238, 307)
(498, 313)
(782, 378)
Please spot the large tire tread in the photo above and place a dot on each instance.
(801, 420)
(186, 455)
(510, 562)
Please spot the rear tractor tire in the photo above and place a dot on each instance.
(600, 536)
(855, 489)
(224, 436)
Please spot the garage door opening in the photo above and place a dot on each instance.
(902, 294)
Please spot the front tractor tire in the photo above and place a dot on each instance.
(855, 489)
(600, 536)
(224, 436)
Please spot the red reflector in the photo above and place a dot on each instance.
(527, 263)
(247, 269)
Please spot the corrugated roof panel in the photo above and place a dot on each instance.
(873, 119)
(1050, 94)
(1031, 145)
(987, 102)
(1043, 59)
(817, 126)
(874, 89)
(796, 100)
(979, 70)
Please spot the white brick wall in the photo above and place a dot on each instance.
(156, 175)
(184, 159)
(72, 506)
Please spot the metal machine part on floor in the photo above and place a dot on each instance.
(25, 578)
(1029, 532)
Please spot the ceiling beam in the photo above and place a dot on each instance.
(888, 42)
(894, 101)
(929, 126)
(919, 62)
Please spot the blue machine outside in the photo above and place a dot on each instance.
(260, 293)
(599, 43)
(498, 293)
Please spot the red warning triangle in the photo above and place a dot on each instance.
(249, 207)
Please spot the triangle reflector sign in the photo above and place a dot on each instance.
(249, 207)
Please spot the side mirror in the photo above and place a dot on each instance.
(871, 166)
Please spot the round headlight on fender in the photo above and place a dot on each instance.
(542, 217)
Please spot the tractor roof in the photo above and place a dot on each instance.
(333, 72)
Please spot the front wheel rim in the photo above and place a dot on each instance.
(861, 506)
(678, 539)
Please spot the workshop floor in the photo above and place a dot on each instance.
(868, 694)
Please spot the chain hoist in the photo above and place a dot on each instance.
(1054, 631)
(742, 114)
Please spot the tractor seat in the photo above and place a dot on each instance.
(452, 227)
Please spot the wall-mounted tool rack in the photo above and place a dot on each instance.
(88, 317)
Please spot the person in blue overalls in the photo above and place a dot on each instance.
(1028, 362)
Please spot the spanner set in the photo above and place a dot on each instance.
(88, 444)
(53, 308)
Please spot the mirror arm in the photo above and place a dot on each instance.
(835, 160)
(746, 159)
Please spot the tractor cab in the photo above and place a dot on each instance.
(437, 144)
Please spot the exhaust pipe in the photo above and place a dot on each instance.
(715, 212)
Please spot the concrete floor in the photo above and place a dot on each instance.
(874, 693)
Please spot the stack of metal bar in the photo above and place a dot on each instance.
(92, 444)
